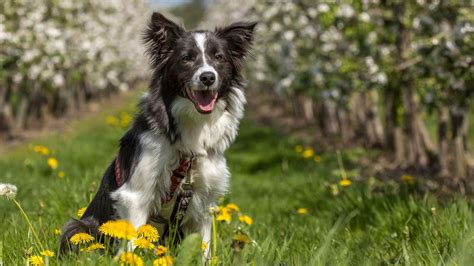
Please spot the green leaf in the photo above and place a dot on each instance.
(189, 252)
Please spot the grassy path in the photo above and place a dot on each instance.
(367, 222)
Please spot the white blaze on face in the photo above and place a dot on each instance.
(201, 39)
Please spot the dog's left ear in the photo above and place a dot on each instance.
(239, 37)
(160, 37)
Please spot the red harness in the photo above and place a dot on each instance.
(176, 178)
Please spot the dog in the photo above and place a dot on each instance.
(191, 110)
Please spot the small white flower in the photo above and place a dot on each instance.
(289, 35)
(364, 16)
(323, 8)
(8, 191)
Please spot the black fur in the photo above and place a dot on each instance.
(172, 52)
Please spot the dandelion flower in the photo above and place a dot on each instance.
(143, 243)
(41, 150)
(407, 179)
(308, 153)
(57, 231)
(53, 163)
(61, 174)
(47, 253)
(317, 159)
(119, 229)
(8, 191)
(232, 207)
(242, 238)
(81, 238)
(203, 246)
(94, 246)
(148, 232)
(125, 119)
(224, 216)
(302, 211)
(246, 219)
(36, 260)
(345, 182)
(160, 250)
(163, 261)
(81, 212)
(129, 258)
(299, 148)
(112, 120)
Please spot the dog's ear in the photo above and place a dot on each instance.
(239, 37)
(159, 37)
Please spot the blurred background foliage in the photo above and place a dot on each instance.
(388, 74)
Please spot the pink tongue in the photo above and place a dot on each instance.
(206, 100)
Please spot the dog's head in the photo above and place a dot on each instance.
(200, 66)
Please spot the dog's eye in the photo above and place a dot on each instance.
(186, 58)
(219, 57)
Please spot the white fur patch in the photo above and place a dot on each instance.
(200, 39)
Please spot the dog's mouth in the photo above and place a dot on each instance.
(204, 100)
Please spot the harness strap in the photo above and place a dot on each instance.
(176, 178)
(118, 175)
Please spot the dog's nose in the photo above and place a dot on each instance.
(207, 78)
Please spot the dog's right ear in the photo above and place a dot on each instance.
(160, 37)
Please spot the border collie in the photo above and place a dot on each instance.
(192, 109)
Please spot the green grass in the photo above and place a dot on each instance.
(367, 223)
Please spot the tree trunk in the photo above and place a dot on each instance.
(417, 143)
(390, 118)
(307, 104)
(458, 123)
(6, 116)
(443, 146)
(372, 125)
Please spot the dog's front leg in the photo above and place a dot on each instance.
(133, 207)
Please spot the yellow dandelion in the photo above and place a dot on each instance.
(53, 163)
(308, 153)
(242, 238)
(143, 243)
(125, 119)
(407, 179)
(203, 246)
(163, 261)
(41, 150)
(345, 182)
(224, 216)
(232, 207)
(302, 211)
(81, 212)
(119, 229)
(129, 258)
(148, 232)
(81, 238)
(61, 174)
(36, 260)
(246, 219)
(57, 231)
(47, 253)
(299, 148)
(112, 120)
(160, 250)
(94, 246)
(317, 159)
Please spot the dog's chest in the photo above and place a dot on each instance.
(209, 177)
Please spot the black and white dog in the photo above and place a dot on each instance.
(193, 108)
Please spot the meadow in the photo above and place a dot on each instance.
(301, 207)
